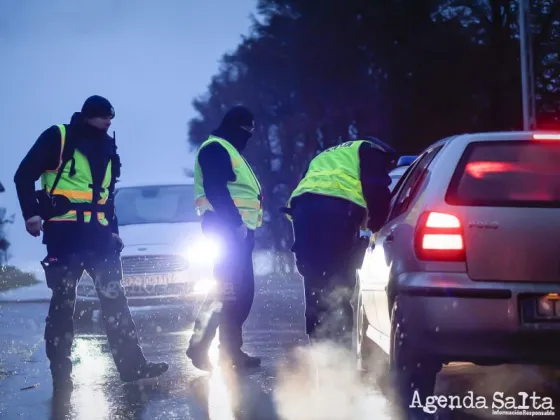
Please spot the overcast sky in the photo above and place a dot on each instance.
(149, 58)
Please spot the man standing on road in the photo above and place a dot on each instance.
(343, 187)
(229, 199)
(78, 166)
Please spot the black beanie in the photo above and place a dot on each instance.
(97, 106)
(238, 116)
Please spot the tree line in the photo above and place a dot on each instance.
(407, 71)
(4, 243)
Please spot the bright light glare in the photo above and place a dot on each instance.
(91, 373)
(204, 286)
(442, 220)
(442, 242)
(204, 251)
(375, 269)
(544, 136)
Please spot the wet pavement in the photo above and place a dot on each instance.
(285, 387)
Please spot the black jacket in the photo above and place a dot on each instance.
(375, 179)
(217, 171)
(44, 155)
(374, 168)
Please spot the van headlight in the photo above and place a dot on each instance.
(205, 286)
(203, 251)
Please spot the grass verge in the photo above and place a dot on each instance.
(12, 278)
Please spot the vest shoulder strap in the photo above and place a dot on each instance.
(66, 155)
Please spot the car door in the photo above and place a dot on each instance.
(385, 244)
(364, 285)
(373, 278)
(371, 281)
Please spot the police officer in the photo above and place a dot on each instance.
(343, 187)
(78, 165)
(229, 198)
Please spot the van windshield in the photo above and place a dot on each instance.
(155, 204)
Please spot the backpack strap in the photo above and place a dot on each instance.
(115, 162)
(115, 175)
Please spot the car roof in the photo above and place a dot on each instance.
(153, 183)
(495, 136)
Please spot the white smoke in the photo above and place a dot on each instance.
(321, 382)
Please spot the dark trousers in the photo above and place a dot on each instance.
(63, 271)
(229, 308)
(326, 231)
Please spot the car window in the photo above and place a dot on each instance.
(394, 181)
(507, 174)
(396, 174)
(155, 204)
(410, 183)
(398, 184)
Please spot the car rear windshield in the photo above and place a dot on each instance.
(155, 204)
(508, 174)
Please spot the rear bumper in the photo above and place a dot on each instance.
(455, 319)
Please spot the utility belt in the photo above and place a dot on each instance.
(54, 205)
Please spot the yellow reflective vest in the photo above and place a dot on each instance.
(75, 184)
(335, 172)
(245, 191)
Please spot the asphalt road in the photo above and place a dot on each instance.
(284, 388)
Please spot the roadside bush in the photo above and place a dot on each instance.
(12, 277)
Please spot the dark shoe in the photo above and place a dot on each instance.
(239, 359)
(199, 358)
(149, 370)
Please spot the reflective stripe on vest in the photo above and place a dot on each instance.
(245, 190)
(335, 172)
(77, 187)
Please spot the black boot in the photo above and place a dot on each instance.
(238, 359)
(199, 357)
(200, 342)
(148, 370)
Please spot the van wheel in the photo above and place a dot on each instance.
(371, 358)
(413, 374)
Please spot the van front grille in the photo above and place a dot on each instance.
(152, 264)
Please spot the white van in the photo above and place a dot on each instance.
(166, 259)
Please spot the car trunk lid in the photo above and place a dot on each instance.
(509, 193)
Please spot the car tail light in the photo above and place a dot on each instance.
(544, 136)
(439, 237)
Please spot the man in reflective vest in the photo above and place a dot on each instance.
(345, 187)
(78, 165)
(228, 197)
